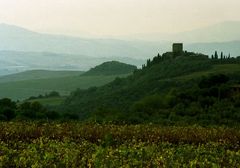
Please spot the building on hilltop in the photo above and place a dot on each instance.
(177, 49)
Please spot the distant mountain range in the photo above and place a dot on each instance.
(22, 49)
(19, 39)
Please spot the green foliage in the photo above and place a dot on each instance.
(52, 94)
(10, 110)
(122, 93)
(150, 106)
(185, 89)
(105, 114)
(7, 109)
(70, 116)
(188, 89)
(214, 80)
(24, 144)
(32, 110)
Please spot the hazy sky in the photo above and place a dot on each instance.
(116, 17)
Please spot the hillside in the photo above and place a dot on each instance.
(64, 85)
(38, 74)
(158, 85)
(32, 83)
(138, 85)
(111, 68)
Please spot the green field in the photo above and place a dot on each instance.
(92, 145)
(64, 85)
(52, 101)
(38, 74)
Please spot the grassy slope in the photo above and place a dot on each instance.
(64, 85)
(216, 69)
(38, 74)
(52, 101)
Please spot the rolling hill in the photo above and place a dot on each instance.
(163, 79)
(38, 74)
(32, 83)
(111, 68)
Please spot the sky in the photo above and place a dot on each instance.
(116, 17)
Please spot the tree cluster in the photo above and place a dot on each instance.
(10, 110)
(47, 95)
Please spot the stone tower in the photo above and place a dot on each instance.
(177, 49)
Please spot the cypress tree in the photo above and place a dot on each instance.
(216, 55)
(221, 55)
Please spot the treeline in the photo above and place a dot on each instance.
(11, 110)
(213, 101)
(215, 58)
(47, 95)
(170, 56)
(224, 59)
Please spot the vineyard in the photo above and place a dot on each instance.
(36, 144)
